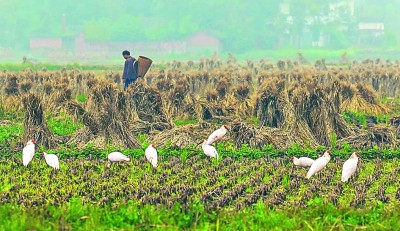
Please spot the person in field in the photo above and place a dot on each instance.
(130, 69)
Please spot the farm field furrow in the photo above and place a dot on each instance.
(89, 179)
(228, 185)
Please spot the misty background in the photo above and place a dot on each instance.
(98, 30)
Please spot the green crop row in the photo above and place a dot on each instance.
(199, 194)
(131, 216)
(224, 150)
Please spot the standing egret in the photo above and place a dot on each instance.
(217, 135)
(51, 160)
(319, 164)
(349, 167)
(28, 152)
(209, 150)
(151, 155)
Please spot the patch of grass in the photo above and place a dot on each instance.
(63, 125)
(144, 140)
(383, 119)
(333, 139)
(252, 120)
(76, 216)
(355, 118)
(81, 98)
(2, 113)
(11, 131)
(184, 122)
(362, 118)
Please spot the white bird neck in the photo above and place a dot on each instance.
(327, 157)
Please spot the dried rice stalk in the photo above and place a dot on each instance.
(35, 126)
(381, 136)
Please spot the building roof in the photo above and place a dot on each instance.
(371, 26)
(202, 39)
(49, 43)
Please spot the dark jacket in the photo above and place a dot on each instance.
(130, 69)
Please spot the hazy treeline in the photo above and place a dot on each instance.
(239, 25)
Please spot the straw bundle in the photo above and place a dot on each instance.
(35, 126)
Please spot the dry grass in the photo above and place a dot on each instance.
(299, 100)
(35, 126)
(380, 136)
(106, 118)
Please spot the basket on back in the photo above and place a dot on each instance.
(144, 64)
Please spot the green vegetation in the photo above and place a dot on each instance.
(184, 122)
(2, 112)
(10, 131)
(81, 98)
(362, 118)
(252, 120)
(63, 125)
(355, 118)
(132, 216)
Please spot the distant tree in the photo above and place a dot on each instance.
(240, 25)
